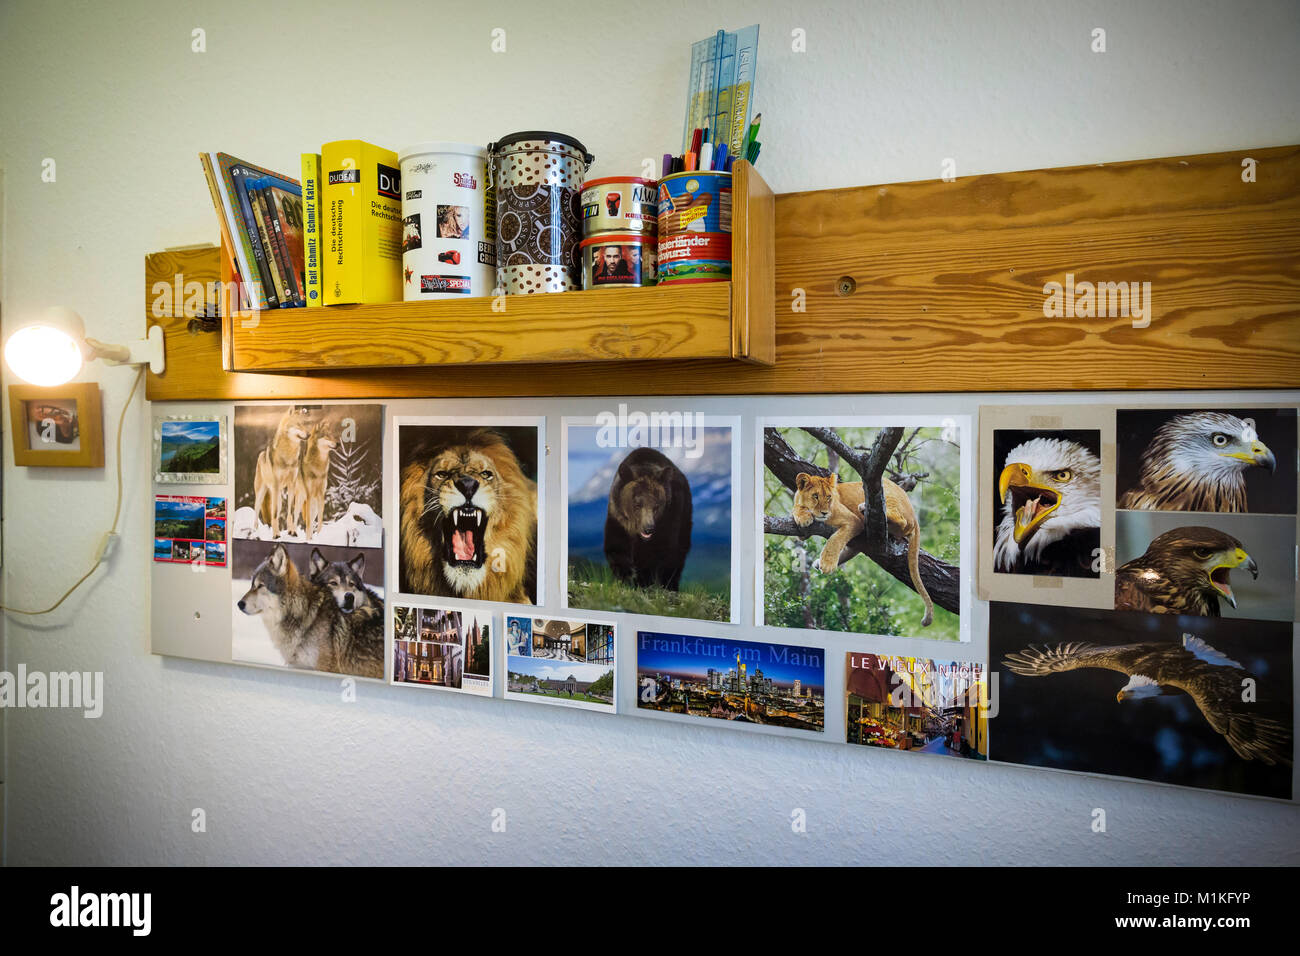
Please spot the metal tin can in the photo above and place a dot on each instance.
(691, 257)
(538, 179)
(618, 259)
(447, 246)
(619, 204)
(695, 202)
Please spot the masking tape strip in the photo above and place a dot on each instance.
(1047, 583)
(1046, 421)
(1109, 459)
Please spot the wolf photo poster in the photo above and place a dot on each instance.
(836, 558)
(306, 538)
(651, 514)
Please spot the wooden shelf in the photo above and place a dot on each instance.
(717, 320)
(911, 287)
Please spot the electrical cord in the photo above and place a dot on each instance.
(108, 537)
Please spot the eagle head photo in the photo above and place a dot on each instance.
(1050, 491)
(1184, 571)
(1198, 462)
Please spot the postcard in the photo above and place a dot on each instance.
(1189, 700)
(750, 682)
(916, 704)
(566, 662)
(442, 647)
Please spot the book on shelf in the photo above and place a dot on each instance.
(259, 224)
(282, 201)
(362, 226)
(311, 263)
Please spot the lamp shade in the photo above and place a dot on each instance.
(47, 351)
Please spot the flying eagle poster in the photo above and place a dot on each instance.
(1180, 699)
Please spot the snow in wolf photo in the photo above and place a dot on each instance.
(309, 473)
(651, 515)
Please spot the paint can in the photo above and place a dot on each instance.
(448, 241)
(537, 179)
(619, 204)
(697, 201)
(691, 257)
(618, 260)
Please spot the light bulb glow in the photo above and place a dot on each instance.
(43, 355)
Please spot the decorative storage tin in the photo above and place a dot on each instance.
(619, 204)
(618, 259)
(694, 257)
(448, 247)
(695, 228)
(695, 202)
(537, 178)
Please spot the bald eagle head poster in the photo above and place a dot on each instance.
(1194, 701)
(1047, 502)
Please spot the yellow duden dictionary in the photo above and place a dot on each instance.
(362, 211)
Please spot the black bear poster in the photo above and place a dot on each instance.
(650, 514)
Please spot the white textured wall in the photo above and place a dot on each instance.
(285, 772)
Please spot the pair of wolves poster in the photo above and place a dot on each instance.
(307, 538)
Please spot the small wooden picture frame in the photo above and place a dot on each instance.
(59, 427)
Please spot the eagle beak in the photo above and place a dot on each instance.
(1030, 503)
(1259, 455)
(1227, 561)
(1012, 475)
(1263, 456)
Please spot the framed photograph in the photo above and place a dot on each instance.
(189, 449)
(57, 427)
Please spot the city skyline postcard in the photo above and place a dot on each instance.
(775, 685)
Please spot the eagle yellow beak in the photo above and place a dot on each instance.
(1223, 563)
(1031, 503)
(1259, 455)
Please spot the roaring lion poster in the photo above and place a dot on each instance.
(469, 508)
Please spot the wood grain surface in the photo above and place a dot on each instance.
(935, 286)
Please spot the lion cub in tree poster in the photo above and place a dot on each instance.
(862, 528)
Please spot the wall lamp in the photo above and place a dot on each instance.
(50, 350)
